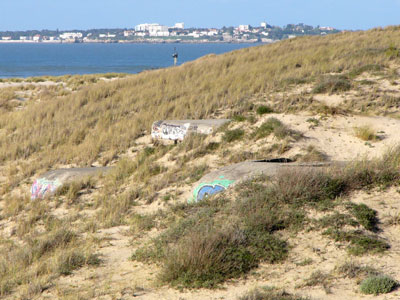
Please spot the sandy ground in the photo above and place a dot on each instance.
(118, 277)
(126, 279)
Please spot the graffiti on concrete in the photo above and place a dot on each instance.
(166, 131)
(42, 187)
(205, 190)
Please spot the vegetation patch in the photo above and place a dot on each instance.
(392, 52)
(264, 109)
(364, 215)
(354, 270)
(365, 133)
(366, 68)
(268, 294)
(360, 243)
(332, 84)
(318, 278)
(376, 285)
(233, 135)
(273, 125)
(221, 238)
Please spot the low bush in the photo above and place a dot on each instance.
(332, 84)
(355, 270)
(360, 243)
(392, 52)
(364, 215)
(233, 135)
(219, 238)
(366, 68)
(239, 118)
(273, 125)
(380, 284)
(263, 109)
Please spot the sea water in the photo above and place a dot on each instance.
(26, 60)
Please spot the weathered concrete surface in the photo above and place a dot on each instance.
(48, 182)
(219, 180)
(178, 129)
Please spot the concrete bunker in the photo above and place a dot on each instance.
(177, 130)
(223, 178)
(49, 182)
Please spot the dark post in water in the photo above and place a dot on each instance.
(175, 56)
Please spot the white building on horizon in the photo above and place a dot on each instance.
(180, 25)
(153, 29)
(71, 35)
(244, 27)
(145, 27)
(158, 30)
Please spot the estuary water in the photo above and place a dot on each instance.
(26, 60)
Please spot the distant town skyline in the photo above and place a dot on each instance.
(88, 14)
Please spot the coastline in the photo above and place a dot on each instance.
(144, 41)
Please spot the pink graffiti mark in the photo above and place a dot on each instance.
(40, 188)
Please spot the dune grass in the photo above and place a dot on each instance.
(106, 117)
(223, 238)
(217, 239)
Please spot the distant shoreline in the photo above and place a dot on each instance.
(137, 42)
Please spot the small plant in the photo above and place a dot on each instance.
(267, 128)
(263, 109)
(332, 84)
(366, 68)
(365, 133)
(280, 130)
(239, 118)
(313, 122)
(355, 270)
(262, 294)
(305, 262)
(364, 215)
(376, 285)
(142, 223)
(392, 52)
(318, 278)
(233, 135)
(360, 243)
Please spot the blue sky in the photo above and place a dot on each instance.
(86, 14)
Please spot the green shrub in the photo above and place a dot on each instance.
(365, 68)
(208, 257)
(233, 135)
(354, 270)
(392, 52)
(380, 284)
(360, 243)
(219, 238)
(364, 215)
(239, 118)
(273, 125)
(332, 84)
(263, 109)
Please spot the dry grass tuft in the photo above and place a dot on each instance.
(365, 133)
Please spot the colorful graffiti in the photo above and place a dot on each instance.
(42, 187)
(205, 190)
(161, 130)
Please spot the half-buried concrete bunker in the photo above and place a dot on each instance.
(221, 179)
(49, 182)
(176, 130)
